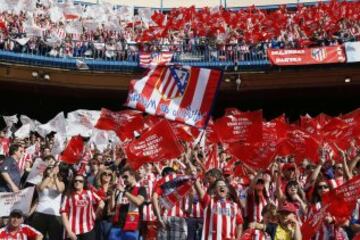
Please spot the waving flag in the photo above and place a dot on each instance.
(157, 144)
(155, 59)
(183, 94)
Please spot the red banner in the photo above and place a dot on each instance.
(343, 198)
(257, 156)
(240, 127)
(73, 151)
(321, 55)
(123, 123)
(157, 144)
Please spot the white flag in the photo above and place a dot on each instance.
(10, 120)
(100, 139)
(23, 131)
(59, 144)
(57, 124)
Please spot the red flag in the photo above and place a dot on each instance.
(313, 224)
(211, 135)
(185, 132)
(257, 156)
(73, 151)
(240, 127)
(343, 198)
(123, 123)
(157, 144)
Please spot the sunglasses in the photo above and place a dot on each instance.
(125, 177)
(338, 167)
(323, 187)
(78, 180)
(260, 181)
(106, 174)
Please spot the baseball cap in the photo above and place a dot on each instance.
(288, 207)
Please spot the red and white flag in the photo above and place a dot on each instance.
(157, 144)
(183, 94)
(155, 59)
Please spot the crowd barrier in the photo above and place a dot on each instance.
(120, 60)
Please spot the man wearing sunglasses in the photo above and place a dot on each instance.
(128, 208)
(15, 229)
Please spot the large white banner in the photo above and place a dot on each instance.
(20, 200)
(37, 172)
(352, 51)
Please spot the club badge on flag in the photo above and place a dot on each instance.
(182, 94)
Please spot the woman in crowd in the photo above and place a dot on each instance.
(79, 210)
(46, 217)
(105, 187)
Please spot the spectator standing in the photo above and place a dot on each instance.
(79, 210)
(128, 208)
(46, 217)
(9, 170)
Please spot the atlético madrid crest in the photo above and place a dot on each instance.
(318, 54)
(173, 82)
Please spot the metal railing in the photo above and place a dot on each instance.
(103, 57)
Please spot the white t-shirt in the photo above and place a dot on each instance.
(49, 202)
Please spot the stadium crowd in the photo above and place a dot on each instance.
(104, 31)
(206, 193)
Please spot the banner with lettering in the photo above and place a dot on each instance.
(20, 200)
(343, 198)
(240, 127)
(157, 144)
(320, 55)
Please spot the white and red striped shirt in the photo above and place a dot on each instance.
(24, 232)
(197, 211)
(221, 217)
(148, 183)
(254, 208)
(80, 209)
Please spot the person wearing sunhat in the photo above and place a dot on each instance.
(15, 229)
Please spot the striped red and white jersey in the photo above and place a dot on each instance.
(148, 183)
(177, 209)
(196, 210)
(24, 232)
(80, 209)
(221, 217)
(254, 208)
